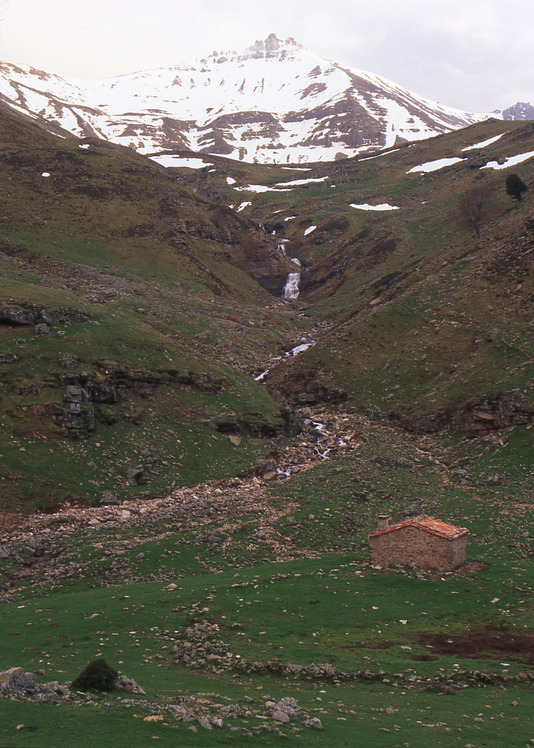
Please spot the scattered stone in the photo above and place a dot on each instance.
(108, 497)
(129, 685)
(286, 710)
(135, 477)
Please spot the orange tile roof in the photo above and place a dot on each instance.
(428, 524)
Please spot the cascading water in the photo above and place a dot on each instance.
(291, 289)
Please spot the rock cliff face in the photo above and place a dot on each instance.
(520, 110)
(493, 413)
(272, 102)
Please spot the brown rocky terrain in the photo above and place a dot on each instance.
(34, 540)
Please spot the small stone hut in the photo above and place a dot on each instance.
(423, 541)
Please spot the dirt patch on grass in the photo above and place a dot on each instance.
(357, 646)
(10, 522)
(472, 567)
(484, 641)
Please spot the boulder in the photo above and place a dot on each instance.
(42, 329)
(108, 497)
(135, 477)
(16, 680)
(128, 684)
(285, 710)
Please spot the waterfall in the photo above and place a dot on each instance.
(291, 289)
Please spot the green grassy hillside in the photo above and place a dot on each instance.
(231, 597)
(131, 313)
(426, 318)
(205, 530)
(155, 291)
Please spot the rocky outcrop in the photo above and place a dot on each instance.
(427, 423)
(521, 110)
(15, 680)
(28, 314)
(16, 683)
(486, 414)
(89, 398)
(474, 418)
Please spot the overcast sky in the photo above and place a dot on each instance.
(477, 55)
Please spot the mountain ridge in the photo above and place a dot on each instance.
(273, 102)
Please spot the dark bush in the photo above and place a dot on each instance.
(97, 676)
(515, 186)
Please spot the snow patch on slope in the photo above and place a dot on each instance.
(173, 160)
(511, 161)
(382, 206)
(439, 163)
(483, 143)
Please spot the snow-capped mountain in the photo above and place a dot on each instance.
(273, 102)
(521, 110)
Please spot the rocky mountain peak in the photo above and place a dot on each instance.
(522, 110)
(273, 44)
(273, 102)
(269, 48)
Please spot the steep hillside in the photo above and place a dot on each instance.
(274, 102)
(131, 312)
(128, 209)
(142, 307)
(430, 323)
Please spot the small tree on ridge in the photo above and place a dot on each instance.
(474, 206)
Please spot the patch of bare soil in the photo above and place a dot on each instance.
(10, 522)
(471, 567)
(484, 641)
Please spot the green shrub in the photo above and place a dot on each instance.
(97, 676)
(515, 186)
